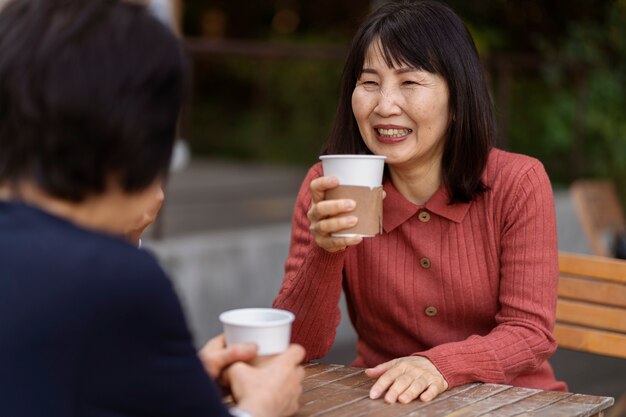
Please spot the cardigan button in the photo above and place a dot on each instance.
(431, 311)
(424, 216)
(425, 263)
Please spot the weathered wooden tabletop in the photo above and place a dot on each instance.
(336, 390)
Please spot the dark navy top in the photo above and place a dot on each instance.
(91, 326)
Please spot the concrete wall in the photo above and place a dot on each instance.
(214, 272)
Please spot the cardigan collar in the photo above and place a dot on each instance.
(397, 209)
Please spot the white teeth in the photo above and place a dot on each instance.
(394, 133)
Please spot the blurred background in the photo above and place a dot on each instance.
(265, 85)
(265, 77)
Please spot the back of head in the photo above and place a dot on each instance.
(89, 90)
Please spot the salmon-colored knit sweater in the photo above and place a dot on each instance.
(472, 287)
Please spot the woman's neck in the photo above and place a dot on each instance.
(417, 184)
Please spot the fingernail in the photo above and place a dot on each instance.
(374, 394)
(351, 220)
(349, 204)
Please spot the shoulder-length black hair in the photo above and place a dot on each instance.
(88, 90)
(429, 36)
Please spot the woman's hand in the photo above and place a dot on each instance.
(216, 357)
(406, 379)
(322, 216)
(271, 389)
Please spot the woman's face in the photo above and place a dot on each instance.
(402, 112)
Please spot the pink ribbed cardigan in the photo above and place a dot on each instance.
(472, 287)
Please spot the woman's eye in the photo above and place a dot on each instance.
(410, 83)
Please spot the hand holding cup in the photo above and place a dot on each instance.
(324, 219)
(347, 201)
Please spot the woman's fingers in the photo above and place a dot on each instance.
(398, 388)
(389, 373)
(380, 369)
(431, 392)
(329, 208)
(332, 225)
(406, 379)
(215, 356)
(320, 185)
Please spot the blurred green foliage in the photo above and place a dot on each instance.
(280, 111)
(571, 114)
(565, 106)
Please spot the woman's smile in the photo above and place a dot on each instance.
(390, 134)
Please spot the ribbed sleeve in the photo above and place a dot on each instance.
(312, 283)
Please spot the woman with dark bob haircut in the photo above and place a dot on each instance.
(90, 325)
(461, 284)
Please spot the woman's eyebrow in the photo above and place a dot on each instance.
(402, 70)
(407, 69)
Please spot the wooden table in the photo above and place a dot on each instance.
(336, 390)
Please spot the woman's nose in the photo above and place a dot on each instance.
(387, 103)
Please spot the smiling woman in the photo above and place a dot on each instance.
(461, 285)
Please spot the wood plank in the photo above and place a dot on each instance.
(379, 407)
(590, 340)
(528, 404)
(318, 368)
(592, 266)
(576, 405)
(329, 399)
(592, 289)
(460, 400)
(592, 315)
(334, 388)
(509, 396)
(345, 377)
(334, 375)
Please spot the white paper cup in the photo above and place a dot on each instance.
(360, 170)
(269, 328)
(355, 170)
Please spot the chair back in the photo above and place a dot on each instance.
(600, 213)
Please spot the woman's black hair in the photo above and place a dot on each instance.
(89, 89)
(426, 35)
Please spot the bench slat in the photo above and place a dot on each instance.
(593, 290)
(590, 340)
(592, 266)
(591, 315)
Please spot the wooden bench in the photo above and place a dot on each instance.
(600, 213)
(591, 308)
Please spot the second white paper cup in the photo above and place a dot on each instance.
(360, 170)
(269, 328)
